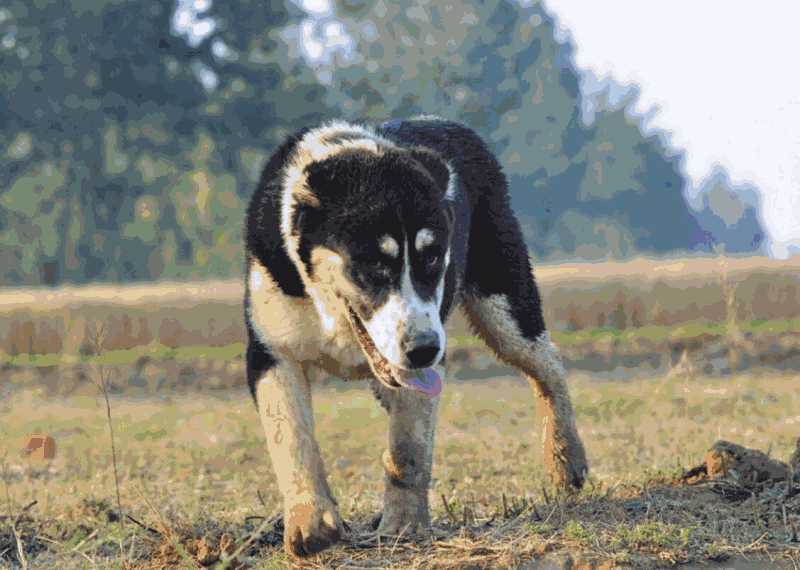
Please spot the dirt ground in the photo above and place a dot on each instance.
(196, 479)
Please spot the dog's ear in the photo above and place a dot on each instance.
(435, 165)
(321, 177)
(320, 180)
(306, 217)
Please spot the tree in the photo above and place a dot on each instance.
(125, 162)
(598, 190)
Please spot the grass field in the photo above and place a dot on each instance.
(682, 353)
(195, 470)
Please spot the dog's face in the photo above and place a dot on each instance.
(373, 233)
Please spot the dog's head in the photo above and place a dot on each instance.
(372, 232)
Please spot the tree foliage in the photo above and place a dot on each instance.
(130, 148)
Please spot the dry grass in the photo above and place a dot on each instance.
(585, 296)
(194, 470)
(180, 293)
(195, 479)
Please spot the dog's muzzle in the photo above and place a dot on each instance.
(423, 350)
(421, 354)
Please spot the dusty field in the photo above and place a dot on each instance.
(195, 471)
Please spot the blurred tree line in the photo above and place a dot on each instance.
(129, 148)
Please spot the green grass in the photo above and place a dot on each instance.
(686, 331)
(653, 333)
(122, 357)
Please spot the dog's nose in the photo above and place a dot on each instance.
(423, 350)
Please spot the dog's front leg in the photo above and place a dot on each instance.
(310, 517)
(408, 461)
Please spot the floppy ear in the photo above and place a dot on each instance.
(435, 165)
(306, 217)
(321, 177)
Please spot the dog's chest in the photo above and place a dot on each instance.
(312, 330)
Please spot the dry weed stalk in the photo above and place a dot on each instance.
(13, 520)
(732, 329)
(101, 380)
(729, 296)
(684, 368)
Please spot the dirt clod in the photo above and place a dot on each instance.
(746, 466)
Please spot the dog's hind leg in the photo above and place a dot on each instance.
(503, 305)
(283, 396)
(408, 460)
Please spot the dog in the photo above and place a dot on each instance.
(359, 242)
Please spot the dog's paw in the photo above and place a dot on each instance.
(408, 518)
(566, 462)
(310, 527)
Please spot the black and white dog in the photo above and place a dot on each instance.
(359, 242)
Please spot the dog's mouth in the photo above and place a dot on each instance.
(426, 380)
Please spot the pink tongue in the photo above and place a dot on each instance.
(427, 381)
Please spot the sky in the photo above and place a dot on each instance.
(721, 75)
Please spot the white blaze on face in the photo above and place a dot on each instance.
(405, 315)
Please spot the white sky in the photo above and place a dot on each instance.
(725, 77)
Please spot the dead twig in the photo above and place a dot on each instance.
(536, 512)
(97, 338)
(545, 495)
(17, 536)
(261, 500)
(142, 525)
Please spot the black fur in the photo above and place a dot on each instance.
(402, 191)
(263, 238)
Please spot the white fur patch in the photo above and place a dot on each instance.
(494, 313)
(256, 280)
(404, 315)
(424, 238)
(452, 183)
(335, 258)
(538, 356)
(272, 315)
(389, 246)
(547, 357)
